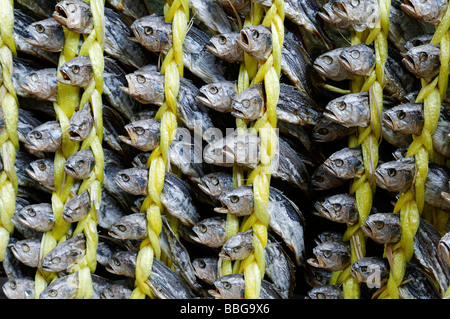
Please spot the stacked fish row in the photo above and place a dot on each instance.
(308, 199)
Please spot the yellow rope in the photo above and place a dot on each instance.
(177, 12)
(269, 71)
(369, 139)
(411, 204)
(9, 139)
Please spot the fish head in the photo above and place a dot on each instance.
(77, 207)
(383, 228)
(65, 256)
(250, 103)
(331, 16)
(225, 46)
(346, 163)
(27, 251)
(145, 86)
(396, 176)
(141, 160)
(444, 248)
(237, 201)
(427, 11)
(133, 226)
(419, 40)
(340, 208)
(122, 263)
(81, 124)
(321, 179)
(214, 184)
(62, 288)
(370, 270)
(210, 232)
(230, 287)
(46, 34)
(142, 134)
(358, 59)
(46, 137)
(218, 96)
(350, 110)
(256, 41)
(331, 255)
(41, 170)
(37, 216)
(77, 71)
(423, 61)
(19, 288)
(238, 247)
(76, 15)
(326, 130)
(218, 153)
(81, 164)
(205, 268)
(133, 180)
(405, 119)
(325, 292)
(327, 65)
(41, 83)
(153, 33)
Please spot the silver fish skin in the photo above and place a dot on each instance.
(142, 134)
(19, 288)
(423, 61)
(444, 248)
(325, 292)
(418, 285)
(237, 201)
(41, 170)
(405, 118)
(46, 137)
(81, 164)
(358, 59)
(21, 22)
(372, 271)
(383, 228)
(133, 9)
(81, 124)
(256, 41)
(133, 226)
(236, 5)
(429, 12)
(77, 207)
(27, 251)
(218, 96)
(340, 208)
(156, 35)
(349, 110)
(394, 138)
(332, 256)
(42, 8)
(65, 287)
(165, 284)
(322, 179)
(426, 243)
(206, 268)
(41, 84)
(110, 210)
(215, 184)
(238, 247)
(212, 14)
(441, 143)
(328, 66)
(361, 15)
(37, 216)
(65, 255)
(280, 269)
(113, 127)
(75, 15)
(346, 163)
(116, 291)
(326, 130)
(122, 263)
(210, 232)
(224, 46)
(399, 81)
(46, 34)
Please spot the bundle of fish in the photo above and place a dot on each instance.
(315, 224)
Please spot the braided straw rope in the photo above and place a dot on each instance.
(177, 12)
(269, 71)
(8, 138)
(411, 204)
(369, 139)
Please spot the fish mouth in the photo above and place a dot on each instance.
(326, 17)
(70, 170)
(321, 211)
(331, 116)
(314, 262)
(444, 251)
(195, 238)
(205, 189)
(125, 139)
(356, 275)
(65, 77)
(113, 234)
(215, 293)
(66, 214)
(74, 135)
(380, 179)
(409, 8)
(212, 48)
(319, 69)
(328, 168)
(224, 255)
(344, 62)
(367, 230)
(221, 210)
(409, 63)
(31, 172)
(204, 100)
(60, 14)
(134, 39)
(245, 42)
(387, 120)
(238, 114)
(446, 196)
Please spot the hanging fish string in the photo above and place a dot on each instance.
(9, 139)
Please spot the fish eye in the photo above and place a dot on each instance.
(213, 89)
(34, 77)
(355, 54)
(148, 30)
(401, 114)
(363, 268)
(108, 291)
(318, 179)
(320, 295)
(122, 228)
(379, 224)
(246, 103)
(140, 79)
(226, 285)
(240, 145)
(25, 248)
(234, 199)
(55, 260)
(72, 8)
(143, 159)
(327, 59)
(116, 262)
(125, 177)
(139, 130)
(423, 56)
(31, 212)
(80, 163)
(215, 181)
(236, 249)
(158, 288)
(255, 34)
(75, 69)
(217, 151)
(37, 135)
(39, 28)
(42, 166)
(222, 40)
(323, 131)
(327, 253)
(354, 3)
(201, 264)
(341, 106)
(13, 285)
(53, 293)
(339, 162)
(203, 228)
(391, 172)
(337, 207)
